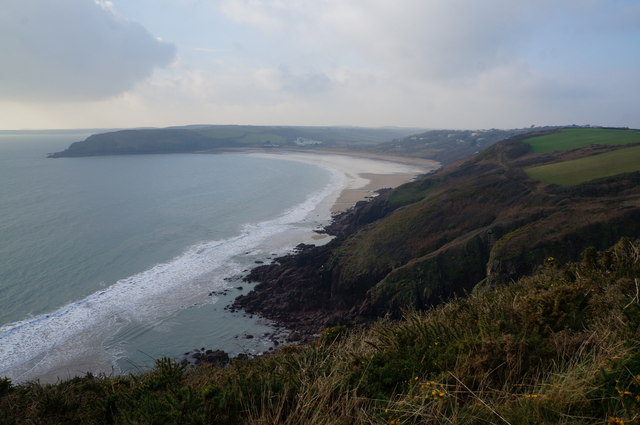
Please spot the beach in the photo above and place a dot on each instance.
(360, 175)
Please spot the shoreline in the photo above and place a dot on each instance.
(355, 178)
(363, 174)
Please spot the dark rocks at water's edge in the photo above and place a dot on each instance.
(214, 357)
(292, 290)
(290, 293)
(221, 358)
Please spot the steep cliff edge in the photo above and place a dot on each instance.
(482, 220)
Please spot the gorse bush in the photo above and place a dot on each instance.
(557, 347)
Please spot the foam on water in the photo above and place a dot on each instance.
(31, 347)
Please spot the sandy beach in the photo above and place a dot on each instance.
(359, 175)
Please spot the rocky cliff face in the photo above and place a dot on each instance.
(479, 221)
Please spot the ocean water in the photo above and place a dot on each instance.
(109, 263)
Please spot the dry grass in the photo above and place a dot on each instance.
(559, 347)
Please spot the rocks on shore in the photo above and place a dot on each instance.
(290, 289)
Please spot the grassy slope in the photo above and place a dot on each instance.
(585, 169)
(481, 217)
(558, 347)
(246, 135)
(571, 138)
(259, 135)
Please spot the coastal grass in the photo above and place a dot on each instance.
(589, 168)
(558, 347)
(262, 137)
(409, 193)
(244, 134)
(571, 138)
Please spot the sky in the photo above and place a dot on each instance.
(459, 64)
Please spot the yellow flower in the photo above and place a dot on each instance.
(617, 421)
(531, 396)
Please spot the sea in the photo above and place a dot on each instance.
(110, 263)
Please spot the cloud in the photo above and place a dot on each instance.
(284, 80)
(73, 50)
(493, 61)
(434, 63)
(257, 13)
(441, 39)
(447, 41)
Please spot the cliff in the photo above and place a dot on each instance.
(474, 225)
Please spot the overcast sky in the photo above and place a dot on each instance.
(423, 63)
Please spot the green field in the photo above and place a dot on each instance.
(244, 134)
(223, 132)
(584, 169)
(572, 138)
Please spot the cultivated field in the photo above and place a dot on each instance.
(592, 167)
(572, 138)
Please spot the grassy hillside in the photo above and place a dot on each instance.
(558, 347)
(242, 134)
(589, 168)
(482, 221)
(332, 136)
(571, 138)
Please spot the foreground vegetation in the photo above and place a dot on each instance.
(557, 347)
